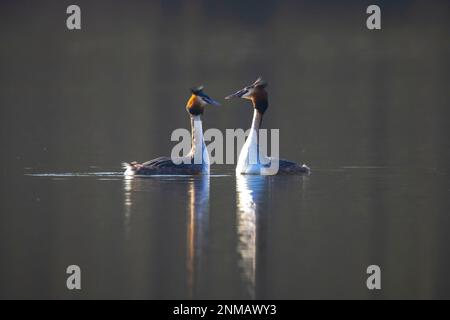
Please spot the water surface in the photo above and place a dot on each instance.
(229, 237)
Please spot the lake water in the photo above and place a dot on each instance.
(367, 111)
(229, 237)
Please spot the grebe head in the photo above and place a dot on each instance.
(256, 92)
(198, 100)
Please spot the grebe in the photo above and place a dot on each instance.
(262, 165)
(196, 161)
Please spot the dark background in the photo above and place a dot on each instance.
(344, 98)
(117, 89)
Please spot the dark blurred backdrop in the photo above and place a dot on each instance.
(115, 90)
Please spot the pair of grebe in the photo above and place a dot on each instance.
(197, 160)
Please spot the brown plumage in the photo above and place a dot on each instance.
(194, 105)
(259, 99)
(165, 166)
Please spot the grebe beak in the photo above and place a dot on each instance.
(209, 100)
(238, 94)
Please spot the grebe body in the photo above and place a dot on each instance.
(251, 160)
(196, 161)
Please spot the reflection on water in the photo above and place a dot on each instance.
(127, 190)
(254, 198)
(197, 191)
(234, 237)
(197, 228)
(249, 189)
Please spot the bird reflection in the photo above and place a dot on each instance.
(197, 228)
(127, 190)
(250, 190)
(197, 219)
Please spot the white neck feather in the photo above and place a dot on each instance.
(198, 149)
(249, 156)
(254, 131)
(257, 118)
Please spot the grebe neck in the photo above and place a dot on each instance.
(257, 120)
(253, 137)
(198, 147)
